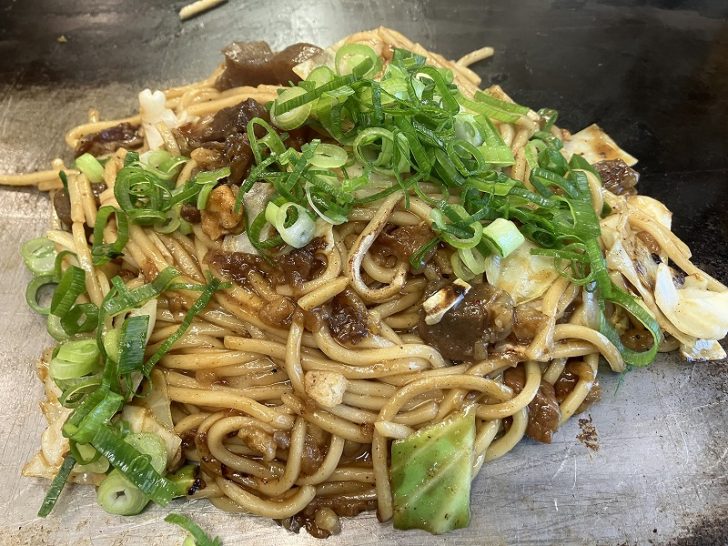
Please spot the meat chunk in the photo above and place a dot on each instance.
(348, 317)
(543, 411)
(617, 176)
(254, 63)
(568, 380)
(233, 119)
(219, 217)
(278, 312)
(221, 140)
(527, 321)
(483, 317)
(190, 213)
(62, 202)
(107, 141)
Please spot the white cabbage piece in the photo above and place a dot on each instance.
(702, 349)
(595, 145)
(697, 312)
(652, 208)
(153, 110)
(524, 276)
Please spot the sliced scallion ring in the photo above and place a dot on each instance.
(91, 167)
(293, 118)
(300, 232)
(39, 255)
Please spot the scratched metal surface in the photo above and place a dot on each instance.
(655, 74)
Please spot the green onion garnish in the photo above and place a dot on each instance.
(198, 535)
(59, 481)
(91, 167)
(39, 255)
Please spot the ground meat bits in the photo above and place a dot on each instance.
(568, 380)
(617, 176)
(347, 318)
(107, 141)
(483, 317)
(236, 266)
(302, 264)
(404, 241)
(294, 268)
(543, 411)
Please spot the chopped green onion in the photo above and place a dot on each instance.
(152, 445)
(55, 328)
(132, 342)
(208, 180)
(104, 252)
(74, 359)
(299, 233)
(329, 156)
(59, 481)
(94, 419)
(118, 496)
(32, 290)
(82, 317)
(91, 167)
(293, 118)
(212, 286)
(90, 460)
(133, 465)
(71, 285)
(504, 236)
(198, 535)
(39, 255)
(125, 300)
(350, 56)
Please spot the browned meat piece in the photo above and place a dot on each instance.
(107, 141)
(567, 381)
(227, 121)
(617, 176)
(527, 321)
(254, 63)
(483, 317)
(348, 317)
(278, 312)
(219, 217)
(239, 156)
(302, 264)
(62, 204)
(190, 213)
(404, 241)
(348, 505)
(543, 411)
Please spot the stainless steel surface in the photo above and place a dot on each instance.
(660, 474)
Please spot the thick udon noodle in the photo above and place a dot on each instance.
(396, 383)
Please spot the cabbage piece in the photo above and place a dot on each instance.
(431, 474)
(595, 145)
(524, 276)
(695, 311)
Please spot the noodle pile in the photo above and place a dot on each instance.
(289, 422)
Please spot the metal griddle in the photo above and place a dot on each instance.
(653, 74)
